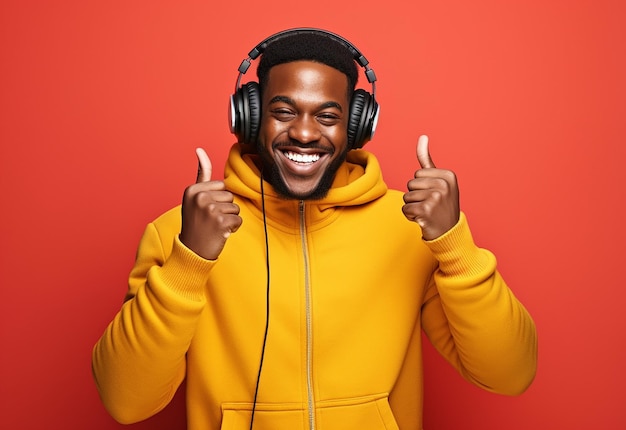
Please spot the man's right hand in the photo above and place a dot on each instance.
(209, 215)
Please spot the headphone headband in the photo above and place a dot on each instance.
(260, 48)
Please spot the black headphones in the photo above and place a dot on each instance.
(245, 103)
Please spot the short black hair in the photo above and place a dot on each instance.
(312, 46)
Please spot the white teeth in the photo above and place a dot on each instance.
(302, 158)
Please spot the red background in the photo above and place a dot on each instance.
(102, 104)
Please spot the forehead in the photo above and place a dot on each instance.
(307, 79)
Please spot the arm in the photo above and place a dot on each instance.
(139, 361)
(469, 313)
(474, 320)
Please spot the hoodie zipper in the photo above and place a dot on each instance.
(309, 327)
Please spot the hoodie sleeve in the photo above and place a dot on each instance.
(474, 320)
(139, 361)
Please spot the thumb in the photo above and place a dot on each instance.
(205, 168)
(423, 156)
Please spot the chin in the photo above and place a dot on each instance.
(315, 191)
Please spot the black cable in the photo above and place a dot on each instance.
(267, 302)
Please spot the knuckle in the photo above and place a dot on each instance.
(436, 196)
(213, 208)
(449, 176)
(189, 192)
(441, 183)
(199, 199)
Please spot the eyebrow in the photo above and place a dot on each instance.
(290, 102)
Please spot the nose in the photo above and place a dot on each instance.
(305, 129)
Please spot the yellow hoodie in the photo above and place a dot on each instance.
(351, 287)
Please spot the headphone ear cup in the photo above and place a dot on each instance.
(245, 112)
(362, 120)
(253, 103)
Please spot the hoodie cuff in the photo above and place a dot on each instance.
(185, 273)
(457, 253)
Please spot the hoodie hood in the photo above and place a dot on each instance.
(358, 181)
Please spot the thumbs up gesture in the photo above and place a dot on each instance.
(209, 215)
(432, 199)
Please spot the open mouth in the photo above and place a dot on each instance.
(302, 158)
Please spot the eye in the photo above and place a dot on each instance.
(328, 118)
(283, 114)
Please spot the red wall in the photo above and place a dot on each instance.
(102, 104)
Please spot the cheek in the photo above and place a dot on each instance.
(338, 136)
(270, 130)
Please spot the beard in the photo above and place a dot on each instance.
(271, 174)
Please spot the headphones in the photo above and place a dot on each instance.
(245, 103)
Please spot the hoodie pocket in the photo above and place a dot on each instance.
(363, 413)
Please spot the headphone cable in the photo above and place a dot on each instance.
(267, 302)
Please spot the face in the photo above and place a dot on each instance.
(303, 131)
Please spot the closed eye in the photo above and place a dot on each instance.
(328, 118)
(328, 113)
(282, 114)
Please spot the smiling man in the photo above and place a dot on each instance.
(293, 293)
(304, 121)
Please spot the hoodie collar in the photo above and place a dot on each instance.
(358, 181)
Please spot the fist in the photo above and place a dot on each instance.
(432, 199)
(209, 215)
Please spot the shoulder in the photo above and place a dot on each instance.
(170, 216)
(391, 200)
(386, 212)
(167, 225)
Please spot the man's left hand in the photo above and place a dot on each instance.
(432, 199)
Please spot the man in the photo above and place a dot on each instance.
(293, 294)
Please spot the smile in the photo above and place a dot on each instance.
(302, 158)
